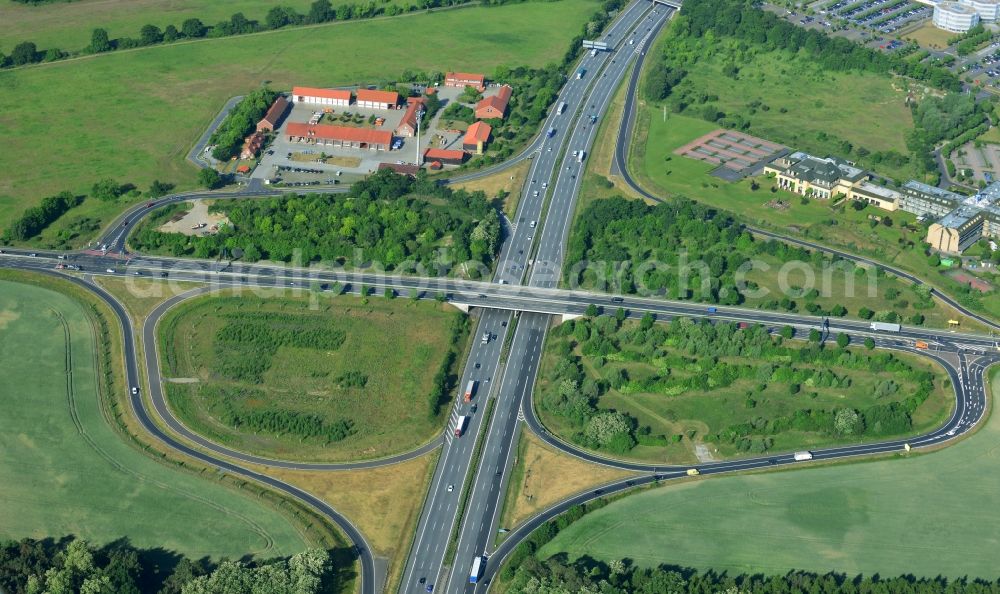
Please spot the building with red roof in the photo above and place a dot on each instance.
(272, 119)
(465, 79)
(339, 136)
(476, 137)
(408, 125)
(444, 156)
(494, 106)
(377, 99)
(314, 96)
(402, 169)
(252, 145)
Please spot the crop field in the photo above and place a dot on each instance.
(756, 397)
(64, 470)
(166, 95)
(342, 381)
(927, 515)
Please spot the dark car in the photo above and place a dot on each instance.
(150, 204)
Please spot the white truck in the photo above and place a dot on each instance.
(803, 456)
(885, 327)
(460, 425)
(486, 337)
(580, 156)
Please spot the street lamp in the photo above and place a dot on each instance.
(420, 116)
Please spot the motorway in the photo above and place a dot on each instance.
(517, 307)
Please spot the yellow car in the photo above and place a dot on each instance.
(693, 472)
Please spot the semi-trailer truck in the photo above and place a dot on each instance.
(460, 425)
(469, 389)
(478, 564)
(803, 456)
(885, 327)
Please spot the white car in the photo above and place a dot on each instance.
(451, 488)
(135, 390)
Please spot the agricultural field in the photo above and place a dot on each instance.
(68, 25)
(348, 379)
(168, 94)
(69, 472)
(931, 514)
(689, 391)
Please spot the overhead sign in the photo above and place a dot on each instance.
(597, 45)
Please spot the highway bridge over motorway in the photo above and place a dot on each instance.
(518, 304)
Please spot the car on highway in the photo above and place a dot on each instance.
(150, 204)
(429, 588)
(135, 390)
(110, 271)
(33, 255)
(451, 488)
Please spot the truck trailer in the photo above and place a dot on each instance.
(885, 327)
(803, 456)
(460, 425)
(478, 564)
(469, 389)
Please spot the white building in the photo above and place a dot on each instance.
(988, 10)
(312, 96)
(955, 17)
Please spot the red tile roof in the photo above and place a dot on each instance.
(410, 117)
(433, 153)
(276, 111)
(497, 102)
(477, 132)
(324, 93)
(341, 133)
(390, 97)
(465, 78)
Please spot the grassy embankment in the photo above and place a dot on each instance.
(369, 364)
(69, 472)
(170, 93)
(932, 514)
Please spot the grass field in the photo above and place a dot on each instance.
(384, 503)
(659, 396)
(927, 515)
(398, 346)
(543, 477)
(787, 99)
(66, 471)
(141, 295)
(509, 182)
(929, 36)
(168, 94)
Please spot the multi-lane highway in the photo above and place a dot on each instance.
(516, 308)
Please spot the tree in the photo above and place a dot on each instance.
(277, 17)
(838, 311)
(846, 421)
(787, 332)
(620, 314)
(320, 12)
(815, 335)
(843, 340)
(209, 178)
(99, 41)
(24, 53)
(869, 344)
(158, 188)
(170, 34)
(591, 311)
(865, 314)
(150, 34)
(193, 29)
(106, 190)
(604, 427)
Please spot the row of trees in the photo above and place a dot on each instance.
(33, 220)
(387, 219)
(241, 120)
(281, 422)
(68, 566)
(320, 11)
(557, 575)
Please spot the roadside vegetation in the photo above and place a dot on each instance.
(386, 219)
(681, 249)
(345, 380)
(872, 518)
(162, 118)
(71, 472)
(663, 392)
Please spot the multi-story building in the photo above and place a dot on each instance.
(807, 175)
(954, 17)
(988, 10)
(927, 201)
